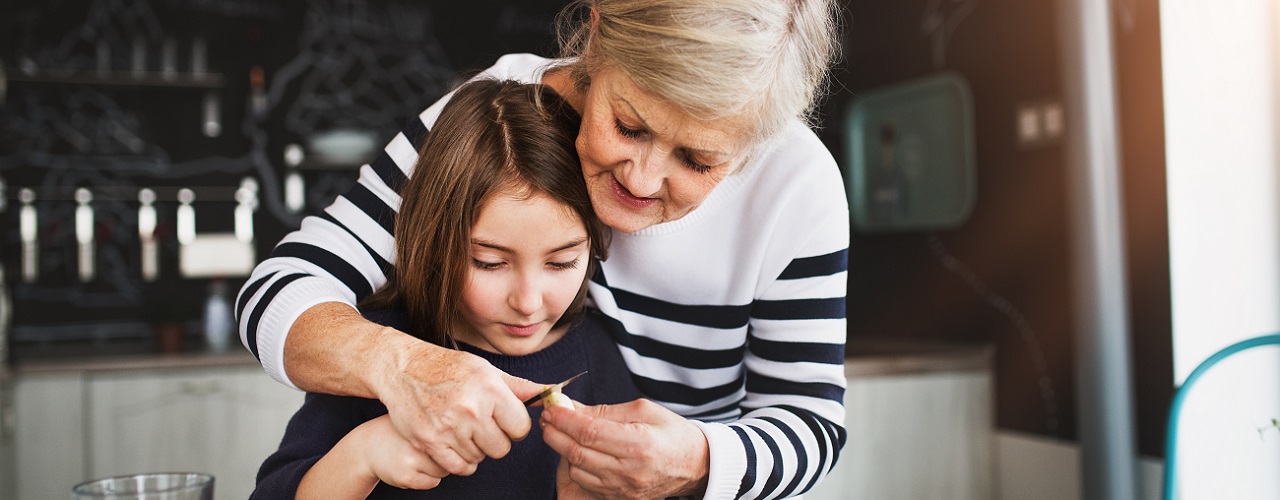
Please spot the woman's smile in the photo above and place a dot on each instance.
(625, 195)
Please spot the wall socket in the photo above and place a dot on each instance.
(1040, 123)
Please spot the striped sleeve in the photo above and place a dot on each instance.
(792, 427)
(341, 255)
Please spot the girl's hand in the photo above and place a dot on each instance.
(372, 452)
(633, 450)
(389, 457)
(566, 489)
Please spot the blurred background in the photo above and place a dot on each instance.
(151, 151)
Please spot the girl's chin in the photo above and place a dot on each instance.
(517, 348)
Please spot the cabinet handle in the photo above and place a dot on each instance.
(8, 422)
(199, 387)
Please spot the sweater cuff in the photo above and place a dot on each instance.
(280, 314)
(728, 460)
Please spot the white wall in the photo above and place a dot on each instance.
(1220, 62)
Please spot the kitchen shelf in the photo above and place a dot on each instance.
(203, 194)
(117, 78)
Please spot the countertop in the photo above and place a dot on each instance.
(864, 357)
(145, 361)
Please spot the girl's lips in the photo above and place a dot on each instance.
(521, 331)
(629, 199)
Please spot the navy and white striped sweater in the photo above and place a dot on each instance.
(734, 315)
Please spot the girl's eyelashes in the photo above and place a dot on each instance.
(564, 266)
(494, 266)
(487, 266)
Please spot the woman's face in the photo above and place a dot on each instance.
(645, 160)
(528, 261)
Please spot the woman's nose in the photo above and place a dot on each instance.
(642, 176)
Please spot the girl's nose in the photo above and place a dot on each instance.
(526, 297)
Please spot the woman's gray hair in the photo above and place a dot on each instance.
(763, 59)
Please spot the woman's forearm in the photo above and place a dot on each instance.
(332, 349)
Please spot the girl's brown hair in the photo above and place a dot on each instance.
(492, 136)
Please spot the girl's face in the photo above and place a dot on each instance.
(528, 261)
(645, 160)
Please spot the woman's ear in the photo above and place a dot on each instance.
(595, 25)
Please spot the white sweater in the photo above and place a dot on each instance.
(734, 315)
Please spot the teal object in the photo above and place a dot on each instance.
(911, 156)
(1175, 410)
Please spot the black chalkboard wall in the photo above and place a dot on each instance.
(111, 95)
(74, 115)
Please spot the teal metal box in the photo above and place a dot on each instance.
(911, 156)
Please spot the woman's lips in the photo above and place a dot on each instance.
(629, 199)
(521, 330)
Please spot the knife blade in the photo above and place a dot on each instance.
(550, 389)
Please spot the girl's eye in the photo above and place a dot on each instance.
(486, 266)
(629, 133)
(693, 164)
(564, 266)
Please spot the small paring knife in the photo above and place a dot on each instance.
(550, 389)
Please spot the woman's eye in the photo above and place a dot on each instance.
(629, 133)
(564, 266)
(487, 266)
(685, 157)
(693, 164)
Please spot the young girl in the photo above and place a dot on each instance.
(495, 241)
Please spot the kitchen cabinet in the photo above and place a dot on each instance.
(8, 433)
(94, 421)
(224, 422)
(921, 423)
(49, 438)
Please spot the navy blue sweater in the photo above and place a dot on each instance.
(528, 471)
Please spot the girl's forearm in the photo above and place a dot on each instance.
(339, 474)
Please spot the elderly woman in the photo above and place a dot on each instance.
(725, 283)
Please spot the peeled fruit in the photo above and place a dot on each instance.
(558, 398)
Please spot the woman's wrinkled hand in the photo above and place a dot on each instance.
(633, 450)
(455, 406)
